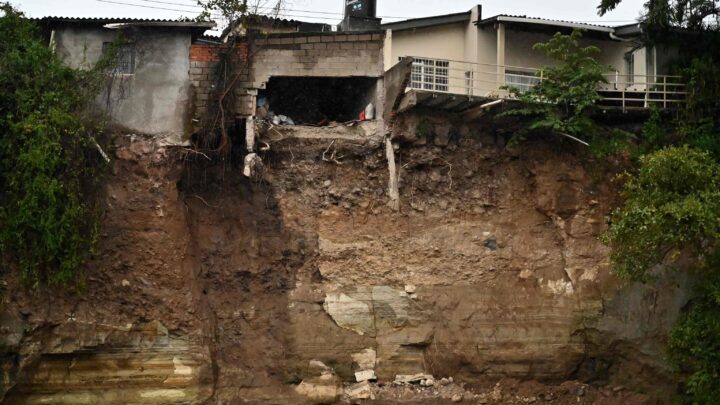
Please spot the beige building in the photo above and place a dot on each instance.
(464, 53)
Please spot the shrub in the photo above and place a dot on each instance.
(49, 166)
(672, 204)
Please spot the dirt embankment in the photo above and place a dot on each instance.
(209, 287)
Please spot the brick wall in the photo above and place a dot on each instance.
(205, 61)
(316, 54)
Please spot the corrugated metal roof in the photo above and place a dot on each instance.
(129, 21)
(543, 21)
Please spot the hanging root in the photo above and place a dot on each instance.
(333, 156)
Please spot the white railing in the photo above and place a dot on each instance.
(486, 80)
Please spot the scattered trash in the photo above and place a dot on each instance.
(261, 100)
(277, 119)
(370, 112)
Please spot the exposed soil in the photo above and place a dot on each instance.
(212, 288)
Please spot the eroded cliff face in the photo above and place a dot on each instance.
(212, 288)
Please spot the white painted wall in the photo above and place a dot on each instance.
(155, 100)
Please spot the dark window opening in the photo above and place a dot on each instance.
(125, 60)
(317, 100)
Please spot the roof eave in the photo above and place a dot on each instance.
(179, 24)
(427, 21)
(536, 21)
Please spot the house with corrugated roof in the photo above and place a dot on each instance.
(468, 54)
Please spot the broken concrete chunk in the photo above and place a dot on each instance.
(410, 289)
(361, 390)
(366, 375)
(350, 313)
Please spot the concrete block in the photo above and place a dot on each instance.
(287, 41)
(301, 40)
(333, 46)
(353, 37)
(328, 38)
(377, 37)
(320, 46)
(365, 37)
(347, 46)
(314, 39)
(341, 38)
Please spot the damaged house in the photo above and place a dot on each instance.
(170, 77)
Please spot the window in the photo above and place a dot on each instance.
(630, 65)
(523, 81)
(125, 63)
(430, 74)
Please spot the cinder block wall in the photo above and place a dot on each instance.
(316, 54)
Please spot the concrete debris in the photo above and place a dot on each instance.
(366, 375)
(253, 164)
(410, 289)
(425, 380)
(457, 398)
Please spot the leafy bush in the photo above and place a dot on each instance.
(49, 166)
(672, 204)
(694, 347)
(563, 101)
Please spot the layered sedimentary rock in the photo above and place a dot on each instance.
(212, 287)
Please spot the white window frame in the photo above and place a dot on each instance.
(522, 81)
(430, 74)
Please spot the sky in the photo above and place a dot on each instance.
(330, 11)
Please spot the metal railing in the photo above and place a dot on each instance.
(491, 81)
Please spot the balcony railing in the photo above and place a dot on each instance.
(486, 80)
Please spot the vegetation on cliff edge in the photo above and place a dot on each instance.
(50, 167)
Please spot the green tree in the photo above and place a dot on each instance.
(671, 211)
(671, 205)
(563, 102)
(694, 345)
(49, 165)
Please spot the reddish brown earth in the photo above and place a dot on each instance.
(211, 288)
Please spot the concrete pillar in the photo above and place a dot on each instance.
(501, 54)
(387, 51)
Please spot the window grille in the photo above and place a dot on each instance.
(430, 74)
(125, 61)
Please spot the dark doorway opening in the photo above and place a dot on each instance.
(314, 100)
